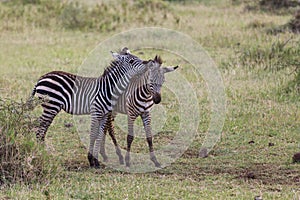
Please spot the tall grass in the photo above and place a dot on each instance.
(104, 16)
(281, 54)
(21, 158)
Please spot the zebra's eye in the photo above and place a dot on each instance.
(131, 61)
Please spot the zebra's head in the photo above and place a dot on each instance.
(157, 78)
(137, 65)
(156, 73)
(125, 51)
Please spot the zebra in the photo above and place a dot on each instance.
(138, 100)
(79, 95)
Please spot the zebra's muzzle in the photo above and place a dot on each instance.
(156, 98)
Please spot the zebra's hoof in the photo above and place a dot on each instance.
(157, 164)
(97, 167)
(127, 160)
(154, 160)
(97, 164)
(121, 160)
(91, 160)
(128, 164)
(105, 159)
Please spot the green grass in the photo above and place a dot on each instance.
(241, 166)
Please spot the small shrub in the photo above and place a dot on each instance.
(72, 16)
(256, 24)
(277, 4)
(294, 24)
(150, 4)
(24, 2)
(294, 85)
(22, 159)
(273, 6)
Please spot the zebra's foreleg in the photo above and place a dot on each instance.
(111, 131)
(127, 156)
(100, 142)
(152, 155)
(99, 137)
(147, 126)
(93, 137)
(130, 138)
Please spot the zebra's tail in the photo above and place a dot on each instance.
(31, 103)
(33, 92)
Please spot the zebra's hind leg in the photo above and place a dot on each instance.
(45, 121)
(147, 126)
(111, 131)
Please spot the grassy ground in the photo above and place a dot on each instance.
(260, 135)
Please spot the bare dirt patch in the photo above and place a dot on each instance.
(265, 173)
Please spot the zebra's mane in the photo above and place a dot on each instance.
(116, 64)
(137, 77)
(113, 65)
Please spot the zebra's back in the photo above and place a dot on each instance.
(74, 94)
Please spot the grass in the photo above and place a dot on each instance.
(260, 135)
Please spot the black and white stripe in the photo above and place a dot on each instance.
(83, 95)
(142, 92)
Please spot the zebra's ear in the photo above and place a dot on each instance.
(169, 69)
(158, 59)
(114, 55)
(125, 50)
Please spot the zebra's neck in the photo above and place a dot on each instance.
(115, 81)
(139, 82)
